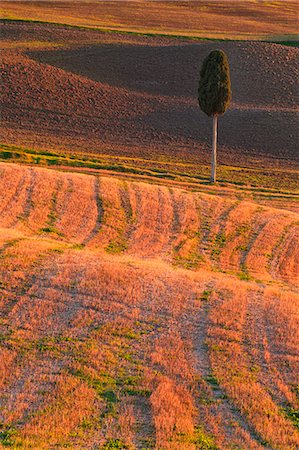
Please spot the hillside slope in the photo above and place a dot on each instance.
(192, 230)
(136, 96)
(141, 316)
(216, 18)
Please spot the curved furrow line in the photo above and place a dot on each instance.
(99, 214)
(213, 213)
(186, 238)
(261, 218)
(28, 200)
(281, 342)
(285, 256)
(233, 367)
(153, 225)
(69, 312)
(28, 205)
(34, 375)
(166, 219)
(13, 207)
(256, 339)
(236, 236)
(42, 194)
(53, 214)
(41, 200)
(22, 266)
(126, 198)
(260, 251)
(111, 236)
(134, 200)
(210, 210)
(65, 195)
(8, 242)
(19, 203)
(145, 432)
(86, 202)
(178, 204)
(216, 410)
(10, 180)
(62, 216)
(218, 235)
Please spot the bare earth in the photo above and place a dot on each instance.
(147, 309)
(136, 96)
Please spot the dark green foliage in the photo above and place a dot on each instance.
(7, 434)
(114, 444)
(293, 415)
(214, 90)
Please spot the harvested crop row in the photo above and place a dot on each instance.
(243, 360)
(110, 330)
(191, 230)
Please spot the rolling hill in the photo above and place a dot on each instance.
(136, 97)
(248, 19)
(142, 307)
(142, 316)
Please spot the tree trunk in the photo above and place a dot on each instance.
(214, 149)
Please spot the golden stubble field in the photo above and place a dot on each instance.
(144, 316)
(215, 19)
(141, 307)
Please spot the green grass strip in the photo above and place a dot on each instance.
(293, 43)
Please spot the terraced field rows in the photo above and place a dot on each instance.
(109, 339)
(191, 230)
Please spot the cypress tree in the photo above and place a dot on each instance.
(214, 93)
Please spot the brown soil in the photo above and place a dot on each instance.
(137, 96)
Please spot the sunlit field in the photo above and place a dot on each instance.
(209, 19)
(143, 307)
(145, 315)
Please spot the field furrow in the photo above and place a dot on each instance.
(143, 306)
(141, 219)
(123, 304)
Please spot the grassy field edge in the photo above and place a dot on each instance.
(242, 179)
(284, 41)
